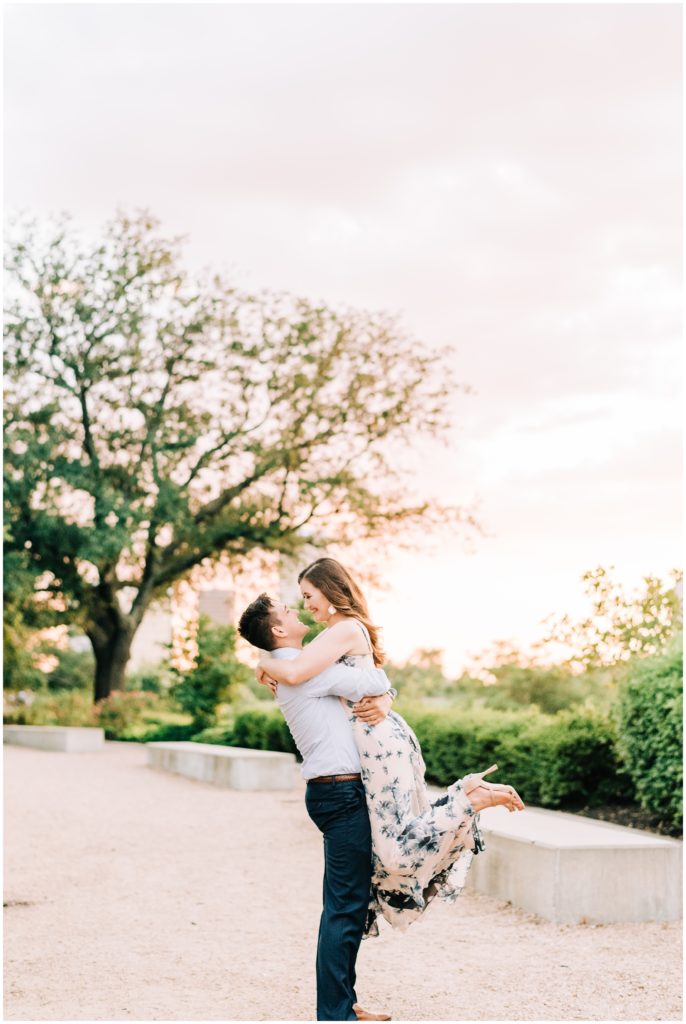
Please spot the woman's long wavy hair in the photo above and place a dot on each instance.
(340, 589)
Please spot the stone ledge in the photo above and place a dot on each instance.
(65, 738)
(574, 870)
(231, 767)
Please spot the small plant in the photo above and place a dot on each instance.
(151, 678)
(74, 670)
(121, 712)
(215, 673)
(66, 707)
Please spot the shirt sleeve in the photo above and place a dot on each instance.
(353, 683)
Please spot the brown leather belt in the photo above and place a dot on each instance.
(336, 778)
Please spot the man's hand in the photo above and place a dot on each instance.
(265, 680)
(373, 710)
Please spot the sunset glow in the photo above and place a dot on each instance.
(506, 178)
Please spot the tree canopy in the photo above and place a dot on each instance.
(154, 421)
(621, 625)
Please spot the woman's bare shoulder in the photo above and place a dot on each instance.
(344, 628)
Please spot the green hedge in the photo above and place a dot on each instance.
(650, 722)
(64, 707)
(167, 732)
(254, 728)
(563, 760)
(263, 730)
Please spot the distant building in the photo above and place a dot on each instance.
(218, 605)
(152, 642)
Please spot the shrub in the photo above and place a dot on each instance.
(564, 760)
(21, 618)
(216, 670)
(123, 715)
(68, 707)
(515, 686)
(453, 745)
(150, 679)
(220, 734)
(74, 670)
(650, 722)
(122, 712)
(578, 763)
(19, 670)
(166, 732)
(551, 689)
(567, 759)
(262, 730)
(421, 676)
(256, 728)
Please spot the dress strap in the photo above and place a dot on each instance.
(366, 635)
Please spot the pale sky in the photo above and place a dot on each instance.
(508, 178)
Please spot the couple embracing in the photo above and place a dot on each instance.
(388, 848)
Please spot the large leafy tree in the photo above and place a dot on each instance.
(154, 421)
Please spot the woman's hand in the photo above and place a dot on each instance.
(372, 710)
(264, 679)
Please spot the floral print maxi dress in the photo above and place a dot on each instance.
(420, 848)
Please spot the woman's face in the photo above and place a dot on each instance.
(315, 602)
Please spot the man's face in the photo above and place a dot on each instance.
(287, 618)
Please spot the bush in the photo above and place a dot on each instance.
(650, 722)
(256, 728)
(215, 672)
(123, 713)
(165, 732)
(19, 670)
(421, 676)
(21, 618)
(453, 745)
(563, 760)
(262, 730)
(150, 679)
(220, 734)
(516, 687)
(68, 707)
(578, 763)
(74, 670)
(551, 689)
(139, 716)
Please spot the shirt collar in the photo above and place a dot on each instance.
(284, 652)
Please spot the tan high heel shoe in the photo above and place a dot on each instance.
(475, 781)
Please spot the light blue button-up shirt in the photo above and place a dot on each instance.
(318, 721)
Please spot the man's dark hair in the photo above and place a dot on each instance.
(256, 622)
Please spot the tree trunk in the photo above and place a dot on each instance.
(112, 652)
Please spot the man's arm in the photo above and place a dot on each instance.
(372, 710)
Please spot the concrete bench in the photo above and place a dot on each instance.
(232, 767)
(573, 870)
(66, 738)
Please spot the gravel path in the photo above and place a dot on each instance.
(136, 895)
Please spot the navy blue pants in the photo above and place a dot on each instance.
(339, 811)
